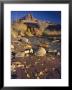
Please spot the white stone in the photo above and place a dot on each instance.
(31, 50)
(26, 52)
(58, 53)
(41, 52)
(12, 48)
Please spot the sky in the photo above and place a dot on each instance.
(49, 16)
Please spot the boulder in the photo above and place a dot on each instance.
(20, 54)
(27, 46)
(41, 52)
(26, 40)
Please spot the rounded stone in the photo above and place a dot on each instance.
(41, 52)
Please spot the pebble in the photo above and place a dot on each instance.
(28, 75)
(13, 68)
(22, 66)
(58, 53)
(41, 73)
(12, 48)
(38, 78)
